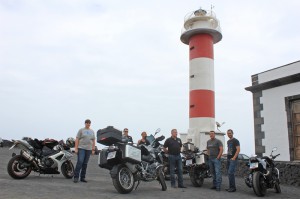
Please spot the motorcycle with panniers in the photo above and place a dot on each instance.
(263, 174)
(129, 164)
(42, 156)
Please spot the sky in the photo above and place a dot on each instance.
(122, 64)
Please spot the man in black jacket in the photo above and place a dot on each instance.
(172, 146)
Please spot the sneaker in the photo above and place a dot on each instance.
(83, 180)
(227, 189)
(173, 186)
(75, 180)
(182, 186)
(232, 190)
(213, 187)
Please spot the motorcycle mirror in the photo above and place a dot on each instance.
(157, 131)
(274, 149)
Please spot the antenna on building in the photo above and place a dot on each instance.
(211, 7)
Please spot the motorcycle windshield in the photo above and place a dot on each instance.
(150, 138)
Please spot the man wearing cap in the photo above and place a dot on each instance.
(84, 147)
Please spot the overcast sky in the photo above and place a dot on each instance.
(121, 63)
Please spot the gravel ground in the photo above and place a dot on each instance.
(99, 185)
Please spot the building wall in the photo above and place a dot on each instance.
(273, 92)
(279, 72)
(275, 126)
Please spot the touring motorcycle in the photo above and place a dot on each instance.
(189, 156)
(263, 174)
(129, 164)
(41, 156)
(200, 169)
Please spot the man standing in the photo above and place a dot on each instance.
(172, 146)
(125, 137)
(215, 150)
(233, 146)
(84, 146)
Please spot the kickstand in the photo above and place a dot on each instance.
(137, 185)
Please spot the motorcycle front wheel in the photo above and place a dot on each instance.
(195, 178)
(124, 181)
(277, 187)
(259, 187)
(161, 179)
(67, 169)
(18, 167)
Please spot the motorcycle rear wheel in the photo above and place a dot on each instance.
(124, 181)
(161, 179)
(196, 180)
(259, 187)
(16, 169)
(67, 169)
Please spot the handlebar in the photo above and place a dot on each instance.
(275, 156)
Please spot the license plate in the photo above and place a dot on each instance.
(253, 165)
(189, 162)
(111, 155)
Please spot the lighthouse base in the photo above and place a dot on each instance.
(200, 138)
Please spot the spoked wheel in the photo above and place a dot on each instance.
(124, 181)
(161, 179)
(18, 167)
(196, 179)
(259, 186)
(67, 169)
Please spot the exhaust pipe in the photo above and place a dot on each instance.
(27, 156)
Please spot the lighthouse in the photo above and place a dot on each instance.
(201, 30)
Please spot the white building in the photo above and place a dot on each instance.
(276, 108)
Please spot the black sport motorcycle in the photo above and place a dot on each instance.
(263, 174)
(129, 164)
(42, 156)
(200, 169)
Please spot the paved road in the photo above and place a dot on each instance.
(100, 186)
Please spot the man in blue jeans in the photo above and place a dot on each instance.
(172, 146)
(84, 147)
(233, 146)
(215, 150)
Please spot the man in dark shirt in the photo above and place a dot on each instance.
(172, 146)
(215, 150)
(233, 146)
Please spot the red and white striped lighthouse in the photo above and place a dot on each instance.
(201, 31)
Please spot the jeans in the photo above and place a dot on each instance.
(175, 161)
(83, 157)
(231, 165)
(215, 170)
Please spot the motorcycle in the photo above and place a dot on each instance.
(44, 157)
(188, 157)
(200, 169)
(129, 164)
(263, 174)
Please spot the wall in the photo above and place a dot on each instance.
(289, 172)
(275, 119)
(279, 72)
